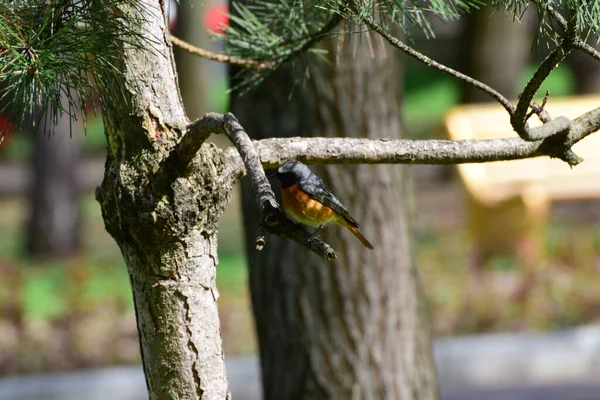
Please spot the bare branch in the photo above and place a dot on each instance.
(518, 120)
(394, 41)
(273, 152)
(253, 64)
(194, 136)
(209, 55)
(583, 126)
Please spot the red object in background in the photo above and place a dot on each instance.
(6, 130)
(216, 18)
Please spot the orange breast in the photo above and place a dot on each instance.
(302, 208)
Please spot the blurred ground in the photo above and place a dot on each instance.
(74, 314)
(127, 383)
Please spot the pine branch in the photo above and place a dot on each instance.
(273, 152)
(209, 55)
(275, 33)
(394, 41)
(53, 48)
(519, 118)
(579, 43)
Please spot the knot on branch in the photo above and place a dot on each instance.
(557, 127)
(559, 146)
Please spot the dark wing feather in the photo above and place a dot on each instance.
(315, 188)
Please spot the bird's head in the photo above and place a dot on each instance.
(292, 172)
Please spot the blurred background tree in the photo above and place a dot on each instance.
(305, 308)
(54, 225)
(492, 37)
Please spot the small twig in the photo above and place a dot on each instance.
(209, 55)
(540, 111)
(394, 41)
(586, 48)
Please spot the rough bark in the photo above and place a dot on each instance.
(165, 222)
(356, 327)
(53, 230)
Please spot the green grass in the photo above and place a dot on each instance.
(232, 273)
(50, 290)
(43, 296)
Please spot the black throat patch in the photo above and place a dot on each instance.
(287, 179)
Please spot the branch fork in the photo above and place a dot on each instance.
(273, 219)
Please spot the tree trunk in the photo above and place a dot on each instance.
(355, 328)
(53, 230)
(165, 221)
(498, 52)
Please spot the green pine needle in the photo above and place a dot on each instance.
(55, 57)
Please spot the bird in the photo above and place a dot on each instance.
(307, 200)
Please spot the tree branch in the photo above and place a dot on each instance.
(273, 152)
(578, 44)
(586, 48)
(560, 135)
(253, 64)
(518, 120)
(394, 41)
(194, 136)
(209, 55)
(273, 219)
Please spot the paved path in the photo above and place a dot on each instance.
(571, 391)
(127, 383)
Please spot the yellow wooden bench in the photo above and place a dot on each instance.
(508, 201)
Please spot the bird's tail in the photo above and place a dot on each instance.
(359, 235)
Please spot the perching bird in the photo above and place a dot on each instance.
(307, 200)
